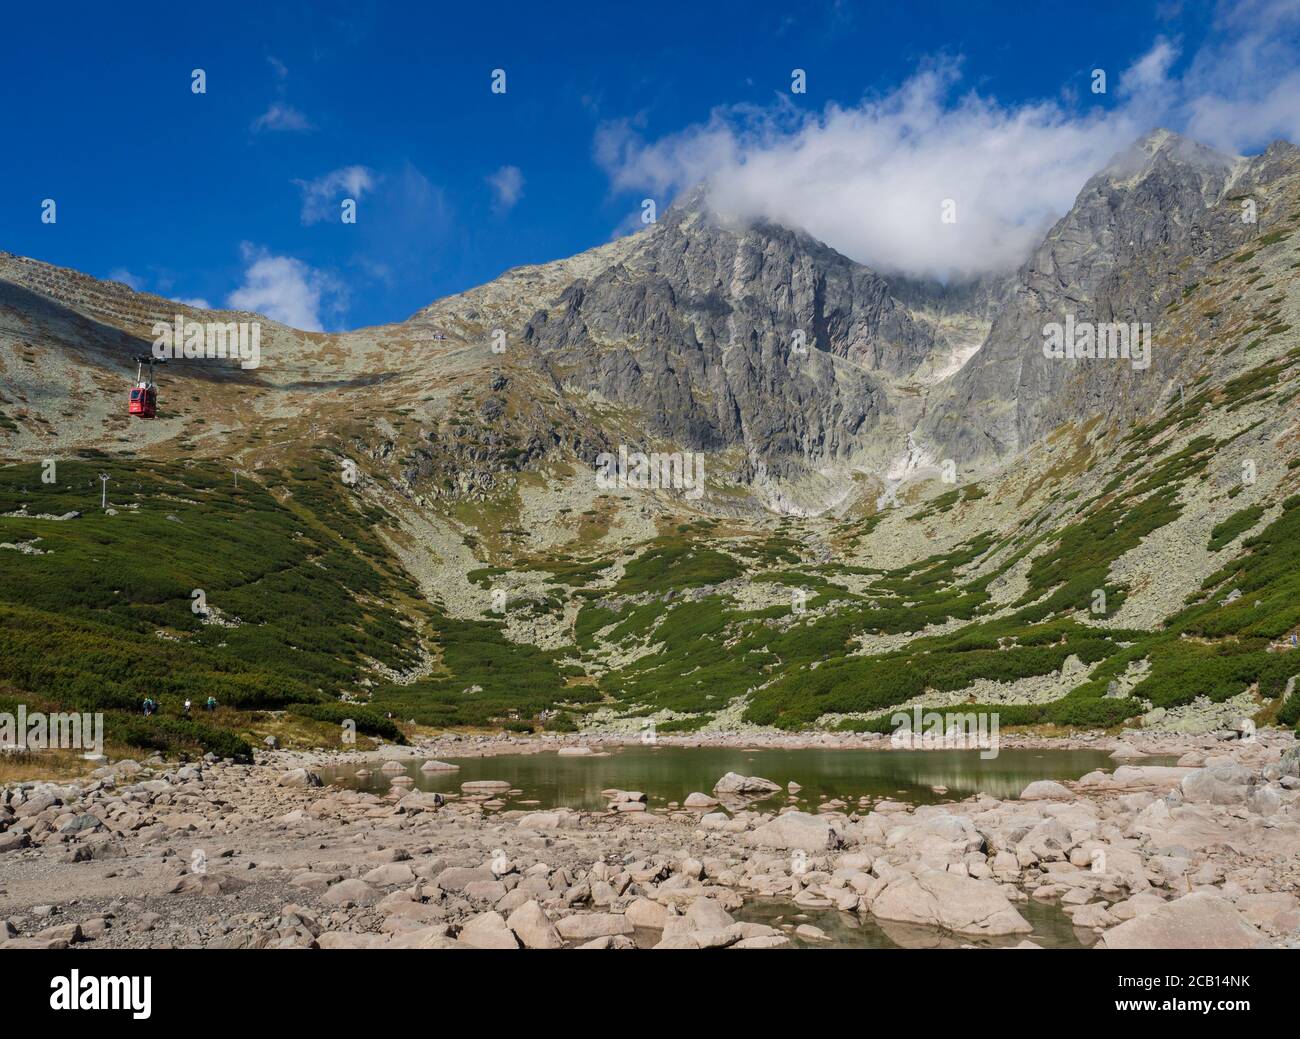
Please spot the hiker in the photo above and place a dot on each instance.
(211, 705)
(187, 708)
(148, 707)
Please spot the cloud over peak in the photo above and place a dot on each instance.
(933, 181)
(286, 290)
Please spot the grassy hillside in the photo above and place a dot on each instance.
(307, 607)
(99, 611)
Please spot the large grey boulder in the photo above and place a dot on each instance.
(1222, 784)
(934, 840)
(585, 926)
(1044, 789)
(735, 785)
(350, 893)
(488, 931)
(205, 884)
(299, 777)
(533, 927)
(1196, 921)
(13, 841)
(794, 830)
(951, 901)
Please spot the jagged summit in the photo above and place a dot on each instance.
(749, 340)
(1172, 147)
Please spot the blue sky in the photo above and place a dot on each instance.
(232, 195)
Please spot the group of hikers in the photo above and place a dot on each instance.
(151, 706)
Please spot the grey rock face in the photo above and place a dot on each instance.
(1140, 232)
(694, 329)
(723, 336)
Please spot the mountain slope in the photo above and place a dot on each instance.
(1142, 234)
(1118, 544)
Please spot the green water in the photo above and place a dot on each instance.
(1052, 928)
(668, 774)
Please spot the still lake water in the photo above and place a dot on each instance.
(668, 774)
(1052, 928)
(664, 774)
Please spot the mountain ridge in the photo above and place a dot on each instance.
(1103, 550)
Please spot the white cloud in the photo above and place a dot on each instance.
(320, 197)
(281, 116)
(1151, 70)
(1244, 89)
(286, 290)
(871, 179)
(128, 279)
(507, 185)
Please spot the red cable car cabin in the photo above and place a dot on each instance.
(144, 394)
(144, 401)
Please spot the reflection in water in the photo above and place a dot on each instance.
(1052, 929)
(669, 774)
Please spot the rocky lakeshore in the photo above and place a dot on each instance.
(1204, 854)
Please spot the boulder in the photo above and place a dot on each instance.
(1196, 921)
(1223, 783)
(645, 913)
(1044, 789)
(419, 801)
(794, 830)
(1264, 800)
(540, 821)
(299, 777)
(391, 875)
(350, 893)
(765, 941)
(82, 824)
(533, 927)
(704, 914)
(207, 884)
(488, 931)
(583, 927)
(454, 878)
(951, 901)
(735, 785)
(13, 841)
(609, 941)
